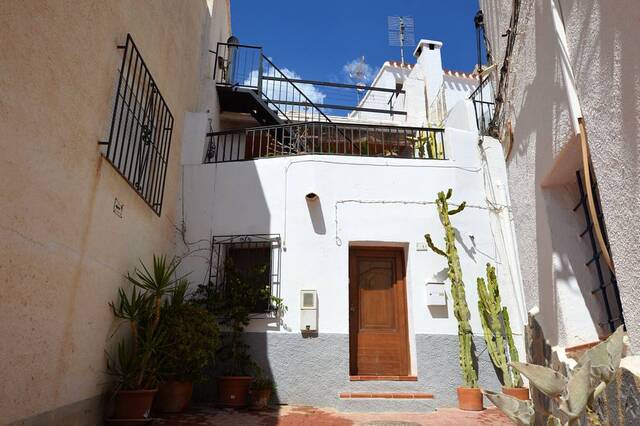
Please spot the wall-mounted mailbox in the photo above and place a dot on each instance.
(436, 294)
(308, 310)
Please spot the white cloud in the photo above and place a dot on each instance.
(281, 91)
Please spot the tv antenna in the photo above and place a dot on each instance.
(401, 33)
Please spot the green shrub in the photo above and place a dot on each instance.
(192, 341)
(263, 383)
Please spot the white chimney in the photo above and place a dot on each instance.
(429, 61)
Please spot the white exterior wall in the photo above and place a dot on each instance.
(371, 201)
(386, 78)
(571, 59)
(459, 88)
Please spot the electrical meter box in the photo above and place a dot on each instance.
(309, 310)
(436, 294)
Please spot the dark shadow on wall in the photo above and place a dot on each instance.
(315, 214)
(239, 208)
(571, 252)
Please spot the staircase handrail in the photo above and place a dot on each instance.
(293, 85)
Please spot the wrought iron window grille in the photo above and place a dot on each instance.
(607, 289)
(222, 247)
(141, 129)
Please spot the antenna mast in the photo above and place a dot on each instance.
(401, 33)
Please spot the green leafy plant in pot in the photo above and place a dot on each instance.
(469, 395)
(497, 333)
(261, 390)
(233, 304)
(138, 358)
(192, 341)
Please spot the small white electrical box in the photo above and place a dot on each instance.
(421, 246)
(308, 310)
(436, 294)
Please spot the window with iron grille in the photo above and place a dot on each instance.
(255, 258)
(141, 129)
(607, 291)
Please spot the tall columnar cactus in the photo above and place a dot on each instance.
(460, 307)
(495, 324)
(573, 394)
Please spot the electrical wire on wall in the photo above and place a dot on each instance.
(351, 163)
(503, 82)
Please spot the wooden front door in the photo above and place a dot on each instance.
(379, 343)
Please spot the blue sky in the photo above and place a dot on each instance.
(316, 38)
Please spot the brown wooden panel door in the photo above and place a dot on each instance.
(379, 343)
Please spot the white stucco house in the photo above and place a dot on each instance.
(337, 206)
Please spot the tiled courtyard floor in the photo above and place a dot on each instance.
(308, 416)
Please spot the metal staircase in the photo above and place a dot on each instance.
(248, 81)
(291, 123)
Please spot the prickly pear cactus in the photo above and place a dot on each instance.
(574, 394)
(460, 307)
(492, 316)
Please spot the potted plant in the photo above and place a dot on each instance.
(233, 303)
(138, 359)
(191, 343)
(469, 395)
(261, 390)
(497, 332)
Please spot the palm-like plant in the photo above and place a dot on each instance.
(134, 309)
(157, 283)
(137, 365)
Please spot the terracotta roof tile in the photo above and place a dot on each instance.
(461, 74)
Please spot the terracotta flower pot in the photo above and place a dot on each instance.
(260, 399)
(133, 404)
(470, 399)
(520, 393)
(173, 396)
(233, 391)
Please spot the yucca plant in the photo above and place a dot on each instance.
(574, 394)
(156, 283)
(138, 359)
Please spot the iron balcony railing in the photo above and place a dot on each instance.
(325, 138)
(483, 105)
(295, 99)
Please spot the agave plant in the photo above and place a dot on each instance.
(574, 394)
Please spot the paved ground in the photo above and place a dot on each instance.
(308, 416)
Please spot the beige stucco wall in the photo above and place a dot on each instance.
(63, 251)
(604, 57)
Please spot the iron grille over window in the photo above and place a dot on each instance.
(255, 257)
(607, 290)
(141, 129)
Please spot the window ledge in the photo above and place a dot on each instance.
(383, 378)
